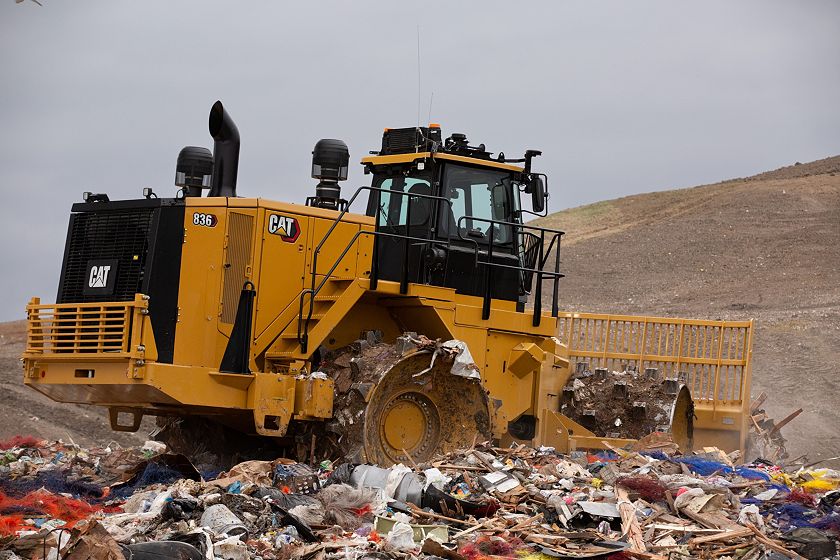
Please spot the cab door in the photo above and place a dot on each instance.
(400, 214)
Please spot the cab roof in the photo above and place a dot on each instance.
(376, 160)
(406, 145)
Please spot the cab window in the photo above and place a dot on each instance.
(393, 208)
(477, 195)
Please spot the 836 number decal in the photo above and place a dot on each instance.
(206, 220)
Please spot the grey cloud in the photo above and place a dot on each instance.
(621, 97)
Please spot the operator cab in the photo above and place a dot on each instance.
(449, 214)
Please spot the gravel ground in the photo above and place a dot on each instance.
(27, 412)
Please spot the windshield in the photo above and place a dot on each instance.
(477, 196)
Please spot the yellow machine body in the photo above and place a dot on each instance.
(106, 353)
(111, 357)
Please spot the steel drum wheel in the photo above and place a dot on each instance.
(411, 416)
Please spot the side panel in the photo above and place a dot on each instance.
(197, 340)
(162, 279)
(285, 238)
(337, 242)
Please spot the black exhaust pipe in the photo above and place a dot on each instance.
(225, 151)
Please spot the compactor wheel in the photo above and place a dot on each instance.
(402, 403)
(413, 414)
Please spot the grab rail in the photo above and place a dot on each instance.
(316, 287)
(313, 290)
(542, 274)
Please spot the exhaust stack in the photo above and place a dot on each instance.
(225, 151)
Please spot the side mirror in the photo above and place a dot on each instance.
(536, 186)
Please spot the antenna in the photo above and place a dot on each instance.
(418, 84)
(431, 99)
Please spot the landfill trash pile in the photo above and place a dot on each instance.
(58, 500)
(766, 433)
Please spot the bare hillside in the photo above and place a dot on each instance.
(27, 412)
(765, 247)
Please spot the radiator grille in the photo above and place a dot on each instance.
(408, 140)
(240, 233)
(122, 235)
(401, 141)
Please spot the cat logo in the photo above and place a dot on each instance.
(101, 277)
(287, 228)
(98, 276)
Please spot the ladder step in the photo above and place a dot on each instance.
(315, 317)
(292, 332)
(335, 287)
(289, 336)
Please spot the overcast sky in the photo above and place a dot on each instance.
(622, 97)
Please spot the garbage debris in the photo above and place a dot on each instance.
(765, 435)
(419, 533)
(646, 501)
(220, 520)
(346, 506)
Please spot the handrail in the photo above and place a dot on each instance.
(303, 325)
(313, 292)
(316, 287)
(539, 271)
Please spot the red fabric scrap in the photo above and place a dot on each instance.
(21, 441)
(41, 504)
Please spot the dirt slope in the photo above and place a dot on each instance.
(765, 247)
(27, 412)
